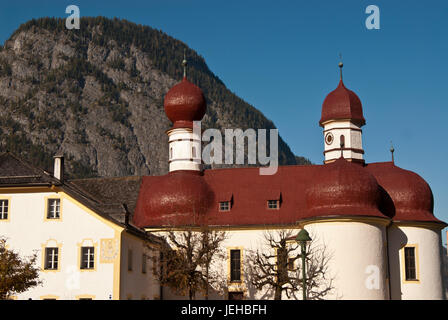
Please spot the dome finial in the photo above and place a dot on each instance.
(340, 64)
(184, 63)
(392, 150)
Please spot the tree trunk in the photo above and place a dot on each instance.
(206, 285)
(278, 293)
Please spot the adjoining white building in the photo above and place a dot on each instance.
(376, 219)
(86, 248)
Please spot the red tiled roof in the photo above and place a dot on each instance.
(344, 188)
(340, 188)
(163, 200)
(408, 196)
(178, 198)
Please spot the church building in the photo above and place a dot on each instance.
(376, 219)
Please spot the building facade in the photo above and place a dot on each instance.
(375, 220)
(83, 252)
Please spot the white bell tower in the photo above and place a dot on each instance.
(184, 149)
(342, 119)
(185, 106)
(343, 136)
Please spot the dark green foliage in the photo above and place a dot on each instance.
(117, 63)
(303, 161)
(120, 112)
(18, 144)
(79, 170)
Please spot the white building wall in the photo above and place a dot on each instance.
(427, 242)
(27, 230)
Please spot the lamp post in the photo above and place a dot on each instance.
(302, 238)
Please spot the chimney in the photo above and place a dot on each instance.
(58, 171)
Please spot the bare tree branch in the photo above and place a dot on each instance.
(275, 266)
(186, 258)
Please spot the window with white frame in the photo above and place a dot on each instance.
(4, 209)
(273, 204)
(224, 206)
(51, 258)
(87, 257)
(54, 209)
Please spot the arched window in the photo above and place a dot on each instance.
(342, 141)
(193, 152)
(171, 153)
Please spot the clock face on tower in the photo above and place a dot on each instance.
(329, 138)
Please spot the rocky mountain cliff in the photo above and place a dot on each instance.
(96, 96)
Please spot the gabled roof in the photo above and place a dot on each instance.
(110, 193)
(111, 198)
(16, 172)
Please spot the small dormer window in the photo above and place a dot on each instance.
(273, 199)
(224, 206)
(225, 201)
(273, 204)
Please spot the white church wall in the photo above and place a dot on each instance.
(357, 254)
(358, 258)
(427, 244)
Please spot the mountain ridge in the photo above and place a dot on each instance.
(87, 92)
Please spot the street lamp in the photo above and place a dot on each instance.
(302, 238)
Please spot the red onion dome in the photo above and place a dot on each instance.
(411, 197)
(343, 188)
(341, 104)
(178, 198)
(184, 103)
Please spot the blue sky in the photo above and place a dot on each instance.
(281, 56)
